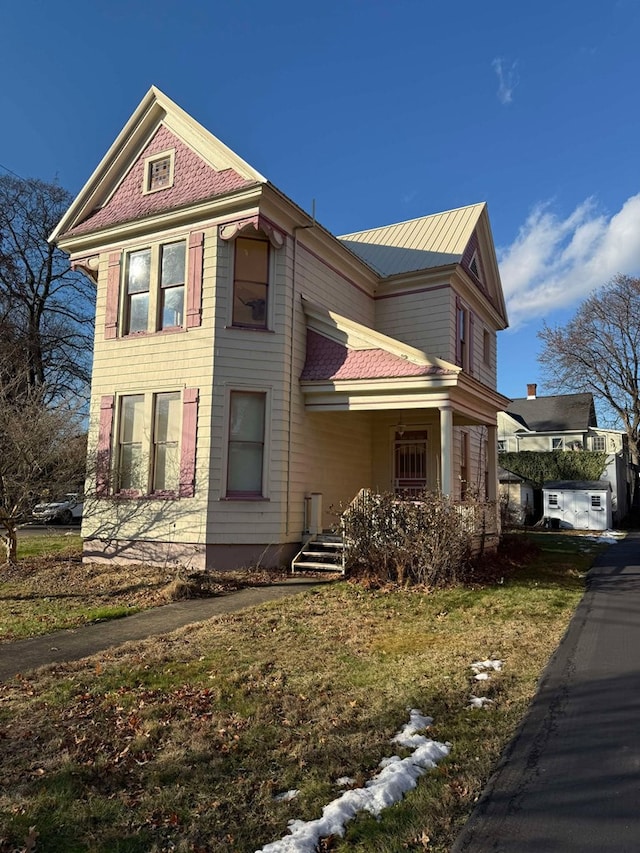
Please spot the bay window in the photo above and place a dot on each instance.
(153, 451)
(246, 444)
(154, 288)
(250, 282)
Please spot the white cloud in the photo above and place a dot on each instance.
(555, 263)
(507, 79)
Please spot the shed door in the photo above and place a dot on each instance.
(578, 505)
(597, 511)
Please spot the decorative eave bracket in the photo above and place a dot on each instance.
(230, 230)
(89, 266)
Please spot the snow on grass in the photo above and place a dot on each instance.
(396, 777)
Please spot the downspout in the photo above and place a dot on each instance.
(296, 228)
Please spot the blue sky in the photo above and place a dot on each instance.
(378, 111)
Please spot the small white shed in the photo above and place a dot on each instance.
(578, 504)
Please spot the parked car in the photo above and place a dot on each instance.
(66, 509)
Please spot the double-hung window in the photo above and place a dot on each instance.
(131, 474)
(250, 282)
(599, 443)
(246, 444)
(154, 447)
(154, 288)
(166, 442)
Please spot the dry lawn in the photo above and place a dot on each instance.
(182, 743)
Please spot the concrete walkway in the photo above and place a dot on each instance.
(570, 780)
(73, 644)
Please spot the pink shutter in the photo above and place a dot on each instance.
(471, 347)
(458, 338)
(103, 457)
(188, 449)
(113, 292)
(194, 283)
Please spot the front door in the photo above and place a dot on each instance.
(410, 463)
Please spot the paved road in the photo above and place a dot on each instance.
(570, 780)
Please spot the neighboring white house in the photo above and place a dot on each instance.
(252, 371)
(578, 505)
(568, 422)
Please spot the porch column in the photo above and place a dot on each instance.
(446, 450)
(492, 462)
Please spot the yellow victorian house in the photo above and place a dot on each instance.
(252, 371)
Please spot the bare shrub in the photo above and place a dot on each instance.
(423, 541)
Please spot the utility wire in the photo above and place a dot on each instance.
(11, 172)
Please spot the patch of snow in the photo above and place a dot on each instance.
(490, 663)
(479, 702)
(345, 782)
(285, 796)
(481, 676)
(396, 777)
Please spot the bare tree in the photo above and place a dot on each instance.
(598, 350)
(42, 451)
(46, 309)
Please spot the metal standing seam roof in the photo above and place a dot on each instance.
(417, 244)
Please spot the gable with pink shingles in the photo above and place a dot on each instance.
(329, 360)
(194, 181)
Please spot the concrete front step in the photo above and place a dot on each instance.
(322, 553)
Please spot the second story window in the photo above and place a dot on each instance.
(250, 283)
(599, 443)
(171, 311)
(154, 288)
(462, 335)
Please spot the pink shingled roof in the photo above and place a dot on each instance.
(194, 180)
(327, 359)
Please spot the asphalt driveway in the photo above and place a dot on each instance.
(570, 780)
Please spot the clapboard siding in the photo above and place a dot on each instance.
(422, 320)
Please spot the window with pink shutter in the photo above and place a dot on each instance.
(188, 448)
(103, 457)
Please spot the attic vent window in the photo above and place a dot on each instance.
(158, 172)
(474, 266)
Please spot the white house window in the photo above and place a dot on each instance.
(250, 282)
(502, 445)
(557, 443)
(553, 500)
(172, 285)
(462, 335)
(154, 288)
(137, 290)
(464, 465)
(130, 442)
(246, 444)
(599, 443)
(166, 442)
(158, 172)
